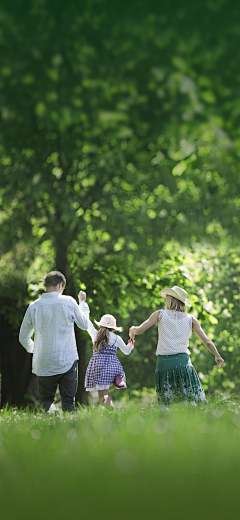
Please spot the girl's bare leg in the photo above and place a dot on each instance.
(105, 399)
(101, 394)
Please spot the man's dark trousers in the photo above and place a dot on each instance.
(67, 382)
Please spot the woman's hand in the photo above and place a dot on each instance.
(132, 332)
(220, 361)
(146, 324)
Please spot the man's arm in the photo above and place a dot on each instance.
(26, 332)
(81, 312)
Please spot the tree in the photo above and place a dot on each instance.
(118, 132)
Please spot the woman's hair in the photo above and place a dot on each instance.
(173, 304)
(102, 339)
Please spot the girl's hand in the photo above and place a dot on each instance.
(220, 361)
(132, 341)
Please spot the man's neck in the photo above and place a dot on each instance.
(54, 289)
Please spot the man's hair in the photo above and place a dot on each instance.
(53, 278)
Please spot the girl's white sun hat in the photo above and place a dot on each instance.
(178, 293)
(109, 322)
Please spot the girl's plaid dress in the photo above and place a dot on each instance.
(103, 367)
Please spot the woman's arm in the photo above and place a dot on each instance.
(145, 325)
(206, 341)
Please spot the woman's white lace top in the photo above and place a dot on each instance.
(174, 331)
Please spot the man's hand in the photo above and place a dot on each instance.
(82, 296)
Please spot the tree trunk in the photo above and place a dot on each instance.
(16, 368)
(63, 266)
(81, 395)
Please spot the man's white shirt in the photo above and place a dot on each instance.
(52, 318)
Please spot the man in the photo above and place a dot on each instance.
(54, 349)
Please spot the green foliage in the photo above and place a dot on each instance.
(119, 136)
(210, 276)
(119, 151)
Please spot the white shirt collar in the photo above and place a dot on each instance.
(50, 294)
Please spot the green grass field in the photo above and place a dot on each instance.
(137, 461)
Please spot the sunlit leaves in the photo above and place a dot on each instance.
(159, 157)
(114, 142)
(6, 161)
(179, 168)
(57, 172)
(208, 96)
(40, 109)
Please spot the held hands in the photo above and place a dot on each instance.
(132, 341)
(132, 332)
(82, 296)
(131, 335)
(220, 361)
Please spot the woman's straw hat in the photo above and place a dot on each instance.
(178, 293)
(109, 322)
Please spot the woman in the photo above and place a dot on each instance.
(176, 377)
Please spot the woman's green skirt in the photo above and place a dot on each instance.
(177, 380)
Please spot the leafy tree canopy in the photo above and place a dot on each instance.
(119, 143)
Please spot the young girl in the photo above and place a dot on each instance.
(105, 371)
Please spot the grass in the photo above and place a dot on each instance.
(138, 461)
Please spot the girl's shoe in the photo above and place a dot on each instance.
(119, 382)
(108, 401)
